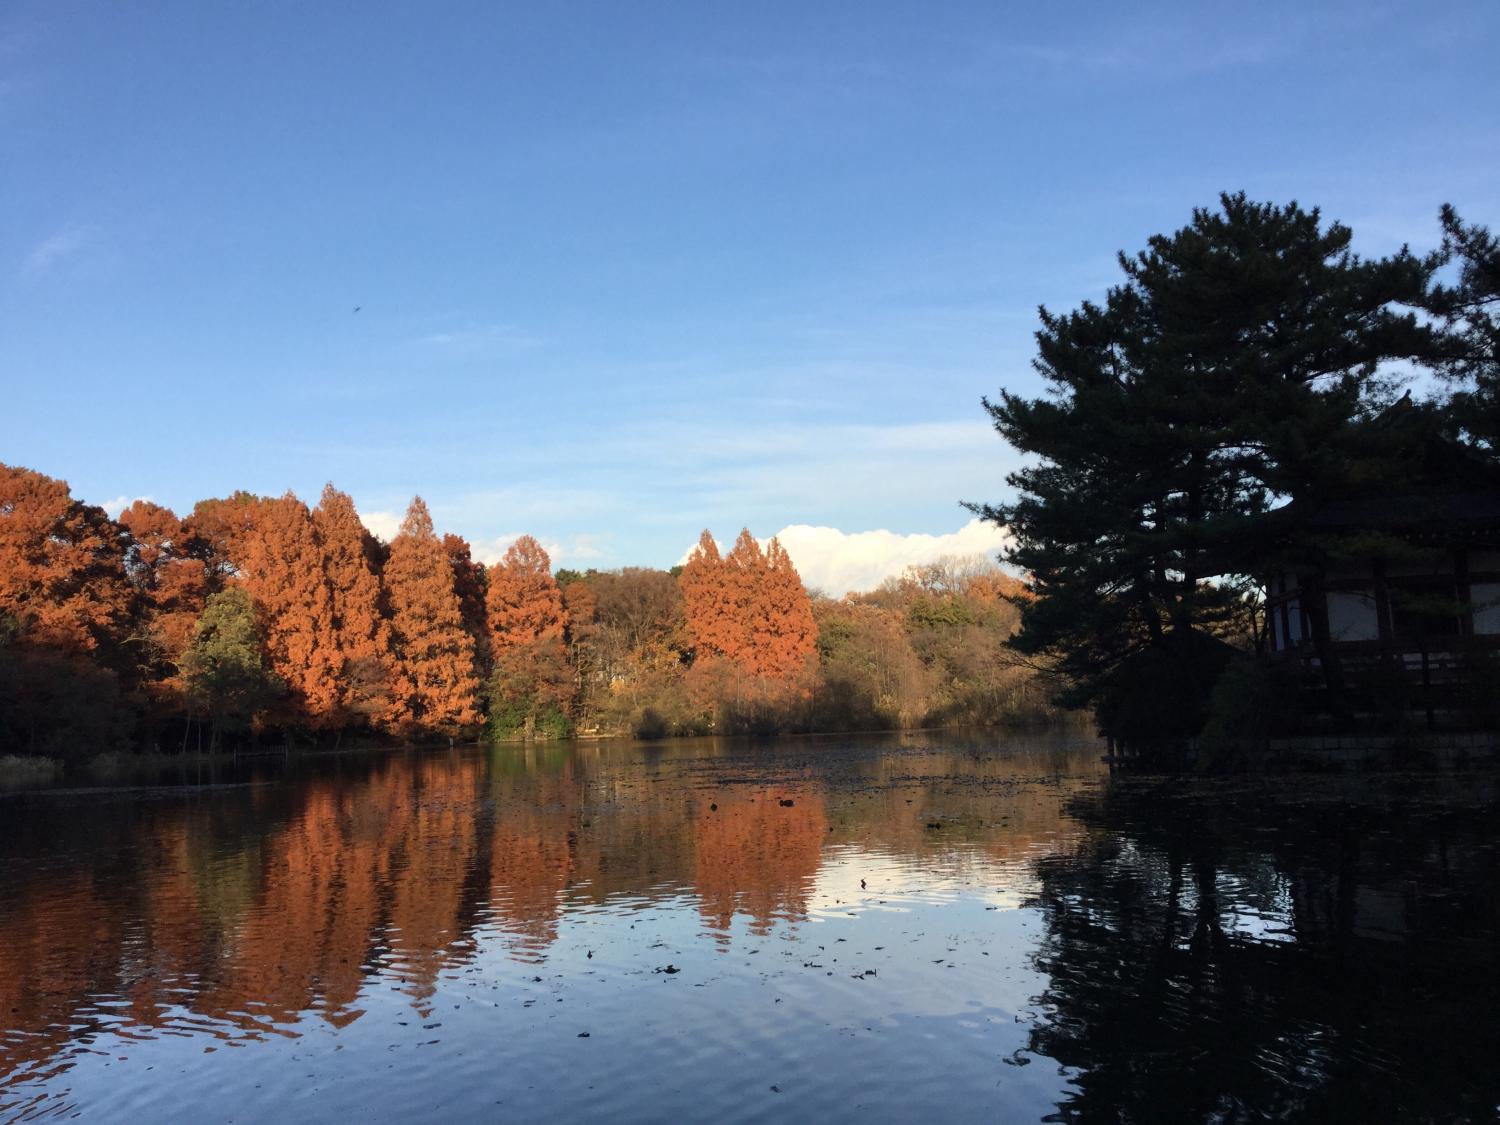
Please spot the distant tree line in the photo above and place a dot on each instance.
(1194, 418)
(260, 620)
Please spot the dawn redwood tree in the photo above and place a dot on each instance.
(216, 526)
(172, 586)
(784, 636)
(65, 617)
(715, 627)
(532, 683)
(749, 607)
(361, 636)
(281, 563)
(1228, 373)
(744, 576)
(62, 567)
(523, 600)
(434, 684)
(471, 583)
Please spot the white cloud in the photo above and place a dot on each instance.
(383, 525)
(840, 562)
(114, 507)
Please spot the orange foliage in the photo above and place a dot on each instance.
(757, 856)
(783, 631)
(172, 585)
(579, 607)
(280, 562)
(713, 624)
(749, 607)
(215, 526)
(62, 565)
(470, 582)
(524, 602)
(361, 636)
(435, 684)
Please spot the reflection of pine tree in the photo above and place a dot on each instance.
(1198, 971)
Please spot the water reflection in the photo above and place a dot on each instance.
(244, 910)
(1323, 950)
(874, 929)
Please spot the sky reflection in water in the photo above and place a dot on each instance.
(681, 931)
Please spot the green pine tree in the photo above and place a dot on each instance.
(227, 679)
(1228, 374)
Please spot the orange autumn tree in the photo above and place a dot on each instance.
(434, 685)
(532, 684)
(361, 636)
(172, 587)
(62, 566)
(64, 619)
(280, 562)
(783, 632)
(523, 601)
(745, 571)
(749, 607)
(714, 626)
(216, 526)
(471, 583)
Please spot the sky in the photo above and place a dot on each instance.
(609, 274)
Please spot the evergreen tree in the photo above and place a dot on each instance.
(227, 681)
(1227, 374)
(434, 684)
(1469, 354)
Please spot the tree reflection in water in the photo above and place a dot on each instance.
(863, 921)
(1325, 950)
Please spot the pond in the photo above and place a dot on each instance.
(949, 927)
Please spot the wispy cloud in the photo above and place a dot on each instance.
(582, 548)
(58, 248)
(481, 339)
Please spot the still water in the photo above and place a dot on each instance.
(910, 928)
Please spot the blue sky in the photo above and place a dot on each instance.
(629, 270)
